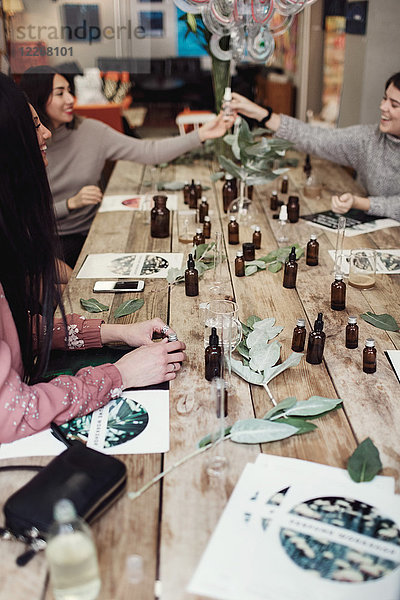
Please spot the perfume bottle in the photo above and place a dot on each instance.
(198, 238)
(199, 190)
(293, 209)
(186, 191)
(193, 195)
(352, 333)
(233, 231)
(316, 342)
(191, 278)
(172, 337)
(226, 104)
(290, 270)
(307, 166)
(212, 356)
(285, 184)
(257, 237)
(229, 191)
(299, 336)
(203, 209)
(282, 229)
(312, 251)
(207, 227)
(159, 218)
(239, 265)
(338, 293)
(248, 251)
(274, 200)
(369, 356)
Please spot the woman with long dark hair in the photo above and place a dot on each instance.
(80, 147)
(29, 292)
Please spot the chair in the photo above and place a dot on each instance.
(187, 120)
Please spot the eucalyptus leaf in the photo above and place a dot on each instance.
(302, 425)
(315, 405)
(128, 307)
(286, 403)
(258, 431)
(365, 462)
(260, 264)
(275, 266)
(217, 176)
(270, 257)
(243, 350)
(211, 437)
(245, 328)
(246, 373)
(250, 270)
(172, 186)
(252, 320)
(384, 321)
(292, 361)
(174, 274)
(93, 306)
(264, 356)
(263, 330)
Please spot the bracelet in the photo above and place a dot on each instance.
(267, 118)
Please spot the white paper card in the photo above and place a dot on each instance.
(129, 265)
(387, 261)
(134, 202)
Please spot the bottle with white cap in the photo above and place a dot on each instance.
(299, 336)
(226, 104)
(282, 231)
(72, 557)
(369, 356)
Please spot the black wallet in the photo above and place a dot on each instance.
(91, 480)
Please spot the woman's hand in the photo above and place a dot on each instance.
(342, 204)
(89, 194)
(149, 365)
(137, 334)
(217, 127)
(247, 108)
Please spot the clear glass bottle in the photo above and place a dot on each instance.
(71, 555)
(274, 200)
(191, 278)
(338, 293)
(203, 209)
(285, 184)
(186, 191)
(226, 104)
(290, 270)
(159, 218)
(207, 227)
(316, 342)
(312, 251)
(282, 225)
(369, 356)
(257, 237)
(172, 337)
(239, 265)
(198, 238)
(299, 336)
(293, 209)
(248, 251)
(212, 357)
(193, 195)
(229, 191)
(352, 333)
(233, 231)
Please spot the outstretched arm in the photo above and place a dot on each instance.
(252, 110)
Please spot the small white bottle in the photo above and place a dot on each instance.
(71, 555)
(226, 104)
(283, 218)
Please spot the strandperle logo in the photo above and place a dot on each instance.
(84, 32)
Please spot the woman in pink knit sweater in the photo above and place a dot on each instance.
(29, 292)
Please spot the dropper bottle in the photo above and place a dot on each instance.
(316, 342)
(212, 356)
(191, 278)
(290, 271)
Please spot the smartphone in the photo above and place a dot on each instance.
(119, 286)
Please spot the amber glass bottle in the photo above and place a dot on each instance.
(316, 342)
(248, 251)
(274, 200)
(293, 209)
(369, 356)
(207, 227)
(186, 190)
(199, 190)
(212, 357)
(299, 336)
(159, 218)
(203, 209)
(257, 237)
(233, 231)
(352, 333)
(290, 271)
(229, 191)
(307, 166)
(191, 278)
(193, 195)
(338, 293)
(285, 184)
(239, 265)
(198, 238)
(312, 251)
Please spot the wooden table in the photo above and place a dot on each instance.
(170, 524)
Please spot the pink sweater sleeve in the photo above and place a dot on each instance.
(82, 333)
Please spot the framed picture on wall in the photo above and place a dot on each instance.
(82, 21)
(152, 22)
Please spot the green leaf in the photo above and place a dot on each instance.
(211, 437)
(172, 185)
(384, 321)
(286, 403)
(250, 270)
(270, 257)
(174, 275)
(365, 462)
(258, 431)
(128, 307)
(243, 349)
(292, 361)
(264, 355)
(275, 267)
(315, 405)
(263, 331)
(302, 425)
(246, 330)
(251, 320)
(93, 306)
(246, 373)
(191, 21)
(217, 175)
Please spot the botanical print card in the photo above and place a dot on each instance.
(387, 261)
(135, 423)
(141, 264)
(357, 222)
(134, 202)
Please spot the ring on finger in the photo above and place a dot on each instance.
(164, 329)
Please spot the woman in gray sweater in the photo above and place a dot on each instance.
(372, 150)
(80, 147)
